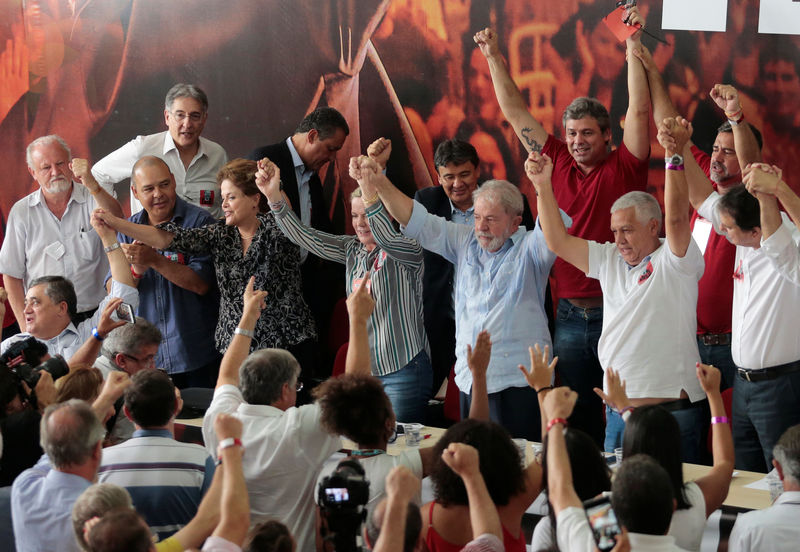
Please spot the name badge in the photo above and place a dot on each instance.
(175, 257)
(206, 197)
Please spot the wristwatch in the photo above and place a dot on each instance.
(674, 163)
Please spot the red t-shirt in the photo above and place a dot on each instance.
(587, 198)
(715, 288)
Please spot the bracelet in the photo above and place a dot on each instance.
(545, 388)
(671, 167)
(112, 247)
(370, 200)
(276, 205)
(555, 421)
(733, 114)
(96, 335)
(242, 331)
(227, 443)
(624, 410)
(736, 121)
(135, 274)
(720, 420)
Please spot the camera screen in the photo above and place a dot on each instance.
(337, 495)
(604, 524)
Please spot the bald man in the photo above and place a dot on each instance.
(178, 292)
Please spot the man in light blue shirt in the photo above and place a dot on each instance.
(501, 269)
(42, 496)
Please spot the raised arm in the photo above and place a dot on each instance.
(637, 124)
(239, 348)
(235, 508)
(558, 406)
(322, 244)
(698, 185)
(676, 189)
(744, 141)
(80, 168)
(120, 268)
(396, 202)
(478, 361)
(401, 487)
(90, 349)
(360, 305)
(715, 484)
(540, 378)
(463, 459)
(112, 390)
(154, 237)
(574, 250)
(759, 177)
(663, 107)
(530, 131)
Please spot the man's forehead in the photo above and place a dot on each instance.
(187, 104)
(151, 173)
(37, 292)
(50, 150)
(453, 167)
(583, 122)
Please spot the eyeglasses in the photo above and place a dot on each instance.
(195, 117)
(149, 360)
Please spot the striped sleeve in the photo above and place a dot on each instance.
(322, 244)
(404, 250)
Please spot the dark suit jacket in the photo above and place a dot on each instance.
(281, 155)
(437, 281)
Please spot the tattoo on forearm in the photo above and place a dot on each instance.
(530, 143)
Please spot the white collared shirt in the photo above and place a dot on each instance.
(766, 296)
(650, 319)
(284, 453)
(38, 244)
(775, 528)
(197, 184)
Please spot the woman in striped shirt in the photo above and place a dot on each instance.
(398, 344)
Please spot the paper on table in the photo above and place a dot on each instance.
(760, 485)
(691, 15)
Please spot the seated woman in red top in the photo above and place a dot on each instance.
(446, 523)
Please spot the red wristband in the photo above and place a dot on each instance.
(135, 275)
(555, 421)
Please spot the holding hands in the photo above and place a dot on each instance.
(102, 222)
(673, 134)
(268, 180)
(379, 151)
(539, 169)
(760, 178)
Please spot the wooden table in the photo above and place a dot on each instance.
(738, 495)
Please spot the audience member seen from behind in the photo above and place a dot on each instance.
(446, 520)
(652, 430)
(246, 243)
(775, 528)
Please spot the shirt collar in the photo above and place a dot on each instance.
(152, 433)
(70, 329)
(651, 542)
(454, 209)
(264, 410)
(169, 145)
(788, 497)
(296, 160)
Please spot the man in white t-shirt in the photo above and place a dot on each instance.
(650, 293)
(775, 528)
(286, 445)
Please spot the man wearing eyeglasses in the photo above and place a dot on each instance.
(193, 160)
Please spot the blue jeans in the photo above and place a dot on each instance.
(719, 356)
(575, 342)
(409, 389)
(514, 408)
(691, 422)
(762, 411)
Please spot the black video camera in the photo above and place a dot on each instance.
(24, 359)
(341, 497)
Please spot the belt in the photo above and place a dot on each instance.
(769, 373)
(678, 404)
(715, 339)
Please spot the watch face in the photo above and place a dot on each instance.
(676, 160)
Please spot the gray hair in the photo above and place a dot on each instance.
(502, 192)
(263, 373)
(129, 339)
(182, 90)
(44, 141)
(59, 290)
(587, 107)
(787, 453)
(72, 436)
(94, 502)
(646, 206)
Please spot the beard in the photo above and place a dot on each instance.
(494, 243)
(58, 186)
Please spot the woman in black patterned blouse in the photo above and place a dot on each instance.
(246, 243)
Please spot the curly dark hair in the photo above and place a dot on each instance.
(355, 406)
(499, 462)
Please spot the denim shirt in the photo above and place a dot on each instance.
(501, 292)
(186, 319)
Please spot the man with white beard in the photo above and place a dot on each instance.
(49, 231)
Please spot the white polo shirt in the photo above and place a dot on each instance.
(284, 452)
(650, 319)
(197, 184)
(38, 243)
(766, 296)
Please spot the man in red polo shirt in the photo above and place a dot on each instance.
(587, 178)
